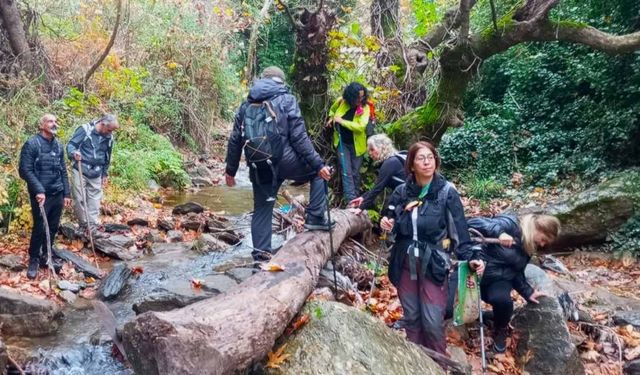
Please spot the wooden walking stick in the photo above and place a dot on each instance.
(86, 213)
(51, 270)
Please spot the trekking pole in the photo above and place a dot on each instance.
(333, 258)
(482, 350)
(86, 213)
(45, 222)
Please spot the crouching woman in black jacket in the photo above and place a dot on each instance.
(519, 239)
(427, 218)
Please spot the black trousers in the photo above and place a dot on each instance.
(53, 206)
(497, 293)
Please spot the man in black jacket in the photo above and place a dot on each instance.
(42, 167)
(299, 161)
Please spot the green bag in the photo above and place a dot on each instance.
(466, 307)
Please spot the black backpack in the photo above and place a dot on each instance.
(263, 146)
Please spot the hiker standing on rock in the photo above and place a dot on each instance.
(270, 129)
(391, 173)
(506, 261)
(90, 148)
(427, 218)
(42, 167)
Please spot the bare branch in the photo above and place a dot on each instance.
(464, 9)
(104, 55)
(296, 24)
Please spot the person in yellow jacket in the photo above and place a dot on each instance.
(349, 117)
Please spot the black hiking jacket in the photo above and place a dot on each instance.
(503, 263)
(297, 147)
(391, 175)
(432, 223)
(42, 166)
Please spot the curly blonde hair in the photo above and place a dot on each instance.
(383, 144)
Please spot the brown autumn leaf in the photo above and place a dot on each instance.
(196, 283)
(631, 354)
(272, 267)
(590, 356)
(137, 270)
(276, 359)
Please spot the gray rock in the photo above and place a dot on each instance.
(67, 285)
(80, 263)
(589, 216)
(138, 221)
(632, 367)
(185, 208)
(211, 243)
(118, 246)
(166, 224)
(229, 237)
(622, 318)
(192, 224)
(545, 336)
(164, 247)
(116, 228)
(69, 231)
(201, 181)
(117, 279)
(22, 315)
(240, 274)
(344, 340)
(175, 236)
(204, 171)
(12, 262)
(154, 236)
(539, 280)
(68, 296)
(218, 283)
(165, 300)
(458, 355)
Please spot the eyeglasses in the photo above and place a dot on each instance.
(423, 158)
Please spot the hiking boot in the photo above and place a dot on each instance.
(57, 263)
(261, 256)
(318, 223)
(32, 271)
(500, 340)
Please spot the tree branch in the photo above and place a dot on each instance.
(253, 40)
(104, 55)
(535, 10)
(296, 24)
(587, 35)
(464, 10)
(319, 7)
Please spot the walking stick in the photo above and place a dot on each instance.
(482, 350)
(333, 257)
(86, 213)
(51, 270)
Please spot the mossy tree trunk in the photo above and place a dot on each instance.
(462, 53)
(16, 35)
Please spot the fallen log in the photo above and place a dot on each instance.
(231, 331)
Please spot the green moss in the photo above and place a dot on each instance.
(571, 24)
(504, 23)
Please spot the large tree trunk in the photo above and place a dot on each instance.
(250, 73)
(12, 24)
(231, 331)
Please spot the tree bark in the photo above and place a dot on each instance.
(384, 18)
(107, 49)
(250, 73)
(229, 332)
(12, 23)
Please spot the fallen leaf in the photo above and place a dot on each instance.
(631, 354)
(196, 283)
(277, 358)
(137, 270)
(272, 267)
(591, 356)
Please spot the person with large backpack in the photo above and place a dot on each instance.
(270, 129)
(349, 117)
(427, 219)
(391, 173)
(90, 148)
(42, 167)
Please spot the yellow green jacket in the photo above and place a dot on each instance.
(358, 126)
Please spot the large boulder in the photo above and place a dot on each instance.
(117, 279)
(545, 340)
(588, 217)
(342, 340)
(185, 208)
(118, 246)
(22, 315)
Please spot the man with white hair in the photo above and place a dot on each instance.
(91, 146)
(42, 167)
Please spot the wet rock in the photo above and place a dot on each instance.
(185, 208)
(545, 336)
(166, 224)
(113, 284)
(217, 284)
(69, 231)
(345, 340)
(632, 367)
(164, 300)
(214, 224)
(228, 237)
(68, 296)
(192, 224)
(240, 274)
(201, 181)
(22, 315)
(68, 285)
(80, 263)
(138, 221)
(98, 338)
(164, 247)
(589, 216)
(12, 262)
(117, 246)
(153, 236)
(175, 236)
(116, 228)
(539, 280)
(622, 318)
(210, 243)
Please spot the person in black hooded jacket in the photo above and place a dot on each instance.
(299, 162)
(42, 167)
(427, 218)
(519, 238)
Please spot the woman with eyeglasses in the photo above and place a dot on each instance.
(427, 218)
